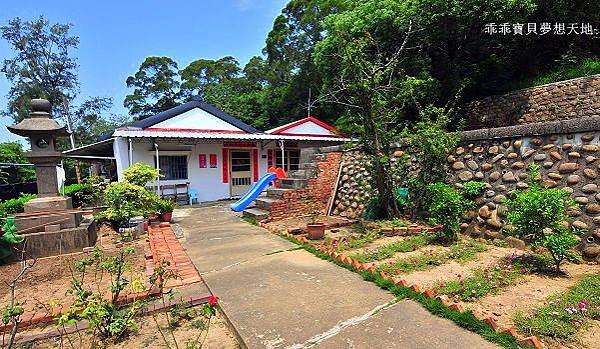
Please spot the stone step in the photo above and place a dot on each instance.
(264, 203)
(255, 213)
(276, 193)
(302, 174)
(293, 183)
(307, 166)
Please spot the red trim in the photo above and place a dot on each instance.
(225, 161)
(193, 130)
(305, 120)
(255, 163)
(240, 144)
(306, 134)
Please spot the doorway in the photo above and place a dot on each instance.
(241, 171)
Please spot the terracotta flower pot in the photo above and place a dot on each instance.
(166, 216)
(315, 230)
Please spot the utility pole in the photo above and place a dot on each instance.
(309, 102)
(71, 135)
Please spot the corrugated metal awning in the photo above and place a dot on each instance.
(222, 136)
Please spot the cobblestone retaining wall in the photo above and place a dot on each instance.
(576, 98)
(568, 153)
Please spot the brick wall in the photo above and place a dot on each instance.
(569, 99)
(315, 195)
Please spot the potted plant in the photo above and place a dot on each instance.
(165, 208)
(315, 228)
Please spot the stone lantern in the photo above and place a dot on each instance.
(42, 132)
(50, 210)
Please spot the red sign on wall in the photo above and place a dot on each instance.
(202, 160)
(225, 166)
(213, 160)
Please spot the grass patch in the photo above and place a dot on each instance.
(387, 251)
(394, 223)
(588, 66)
(356, 241)
(466, 320)
(461, 252)
(564, 314)
(489, 280)
(250, 220)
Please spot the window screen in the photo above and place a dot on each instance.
(173, 167)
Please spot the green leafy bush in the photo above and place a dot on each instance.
(538, 216)
(431, 143)
(17, 205)
(88, 193)
(473, 189)
(446, 207)
(165, 205)
(8, 238)
(126, 200)
(140, 174)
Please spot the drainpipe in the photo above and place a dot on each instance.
(282, 147)
(130, 151)
(158, 169)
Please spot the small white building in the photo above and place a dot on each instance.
(197, 146)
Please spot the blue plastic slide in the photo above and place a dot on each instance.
(254, 192)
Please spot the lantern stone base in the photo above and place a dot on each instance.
(45, 206)
(52, 243)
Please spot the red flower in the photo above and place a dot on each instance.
(213, 300)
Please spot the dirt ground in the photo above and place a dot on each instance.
(50, 278)
(148, 336)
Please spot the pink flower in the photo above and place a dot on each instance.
(582, 304)
(213, 300)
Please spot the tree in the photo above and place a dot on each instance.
(89, 122)
(202, 73)
(42, 66)
(362, 69)
(12, 153)
(156, 87)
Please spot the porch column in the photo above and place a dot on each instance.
(282, 147)
(157, 169)
(130, 151)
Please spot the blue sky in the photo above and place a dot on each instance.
(116, 36)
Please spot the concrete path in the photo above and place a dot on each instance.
(277, 296)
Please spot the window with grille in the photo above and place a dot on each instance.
(173, 167)
(292, 159)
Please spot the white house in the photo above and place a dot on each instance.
(197, 146)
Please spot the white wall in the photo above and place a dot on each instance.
(196, 119)
(308, 128)
(208, 181)
(120, 149)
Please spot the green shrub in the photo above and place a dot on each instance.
(473, 189)
(88, 193)
(140, 174)
(12, 206)
(538, 215)
(165, 205)
(126, 200)
(8, 238)
(431, 143)
(446, 207)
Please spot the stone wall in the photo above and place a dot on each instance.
(576, 98)
(317, 193)
(568, 153)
